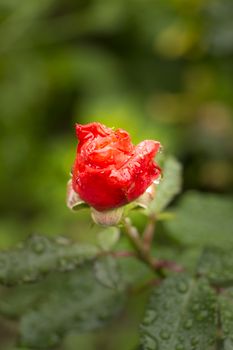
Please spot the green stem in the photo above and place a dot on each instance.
(142, 251)
(148, 234)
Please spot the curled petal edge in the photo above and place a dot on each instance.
(73, 201)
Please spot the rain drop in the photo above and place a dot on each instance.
(188, 324)
(66, 265)
(150, 343)
(150, 317)
(166, 305)
(38, 244)
(157, 181)
(182, 287)
(164, 335)
(160, 149)
(194, 341)
(38, 247)
(202, 315)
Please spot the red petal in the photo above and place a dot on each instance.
(91, 129)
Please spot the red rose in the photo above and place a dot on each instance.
(109, 171)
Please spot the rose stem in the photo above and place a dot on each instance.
(148, 234)
(143, 254)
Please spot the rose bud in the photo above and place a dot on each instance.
(109, 171)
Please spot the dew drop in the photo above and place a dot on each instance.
(188, 324)
(66, 265)
(38, 248)
(160, 149)
(38, 245)
(202, 315)
(165, 335)
(150, 317)
(150, 343)
(157, 181)
(182, 287)
(166, 305)
(194, 341)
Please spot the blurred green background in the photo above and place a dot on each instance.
(161, 69)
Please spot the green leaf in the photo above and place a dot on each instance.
(108, 237)
(226, 318)
(16, 301)
(181, 315)
(169, 186)
(107, 272)
(39, 255)
(203, 219)
(76, 301)
(217, 265)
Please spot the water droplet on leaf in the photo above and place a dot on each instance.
(164, 335)
(150, 317)
(194, 341)
(66, 265)
(188, 324)
(150, 343)
(202, 315)
(182, 287)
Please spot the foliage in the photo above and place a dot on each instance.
(76, 301)
(169, 187)
(203, 219)
(182, 314)
(39, 256)
(82, 287)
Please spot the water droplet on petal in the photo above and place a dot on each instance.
(160, 149)
(157, 181)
